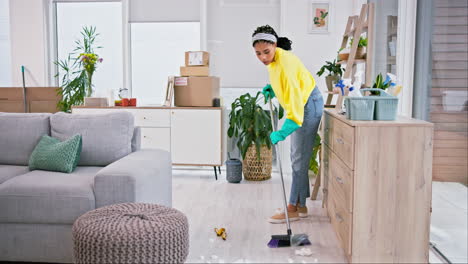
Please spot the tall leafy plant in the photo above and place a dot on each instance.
(77, 70)
(250, 123)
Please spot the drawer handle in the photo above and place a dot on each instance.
(340, 141)
(144, 117)
(339, 218)
(144, 136)
(339, 180)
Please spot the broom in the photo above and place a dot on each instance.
(288, 239)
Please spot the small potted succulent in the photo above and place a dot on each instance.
(360, 52)
(335, 71)
(343, 54)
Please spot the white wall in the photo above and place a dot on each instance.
(315, 49)
(28, 42)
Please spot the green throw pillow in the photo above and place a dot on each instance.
(52, 154)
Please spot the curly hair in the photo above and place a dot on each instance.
(282, 42)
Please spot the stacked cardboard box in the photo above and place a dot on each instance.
(195, 87)
(197, 63)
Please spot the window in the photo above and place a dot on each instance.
(107, 18)
(5, 61)
(385, 36)
(158, 51)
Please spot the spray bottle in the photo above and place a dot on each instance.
(354, 88)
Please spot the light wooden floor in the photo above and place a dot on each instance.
(243, 210)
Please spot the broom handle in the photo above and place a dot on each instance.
(281, 173)
(24, 91)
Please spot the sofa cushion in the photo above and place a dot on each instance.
(52, 154)
(19, 135)
(9, 171)
(106, 137)
(48, 197)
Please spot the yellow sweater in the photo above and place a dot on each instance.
(292, 84)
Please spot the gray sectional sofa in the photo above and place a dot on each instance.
(38, 208)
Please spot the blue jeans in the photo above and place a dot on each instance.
(302, 143)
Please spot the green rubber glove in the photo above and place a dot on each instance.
(268, 92)
(287, 129)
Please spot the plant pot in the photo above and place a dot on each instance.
(343, 56)
(360, 53)
(233, 170)
(331, 80)
(255, 169)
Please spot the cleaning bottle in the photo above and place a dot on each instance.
(354, 88)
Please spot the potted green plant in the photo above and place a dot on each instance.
(335, 71)
(360, 53)
(250, 124)
(77, 71)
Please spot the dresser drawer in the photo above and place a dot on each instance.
(342, 223)
(340, 182)
(342, 141)
(156, 138)
(151, 117)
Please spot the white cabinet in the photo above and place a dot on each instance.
(156, 137)
(193, 135)
(196, 136)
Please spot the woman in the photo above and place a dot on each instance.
(297, 93)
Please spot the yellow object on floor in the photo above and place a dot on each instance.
(221, 232)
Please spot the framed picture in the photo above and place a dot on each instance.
(319, 17)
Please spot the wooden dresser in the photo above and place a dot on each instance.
(377, 179)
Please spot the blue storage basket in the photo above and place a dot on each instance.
(386, 105)
(360, 108)
(382, 107)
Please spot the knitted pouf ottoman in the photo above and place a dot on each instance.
(131, 233)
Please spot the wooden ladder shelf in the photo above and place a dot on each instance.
(356, 26)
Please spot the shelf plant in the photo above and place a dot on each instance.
(361, 45)
(334, 73)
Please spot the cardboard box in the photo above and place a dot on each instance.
(96, 101)
(197, 58)
(196, 91)
(38, 99)
(195, 71)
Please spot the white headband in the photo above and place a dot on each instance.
(264, 36)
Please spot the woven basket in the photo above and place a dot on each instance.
(254, 169)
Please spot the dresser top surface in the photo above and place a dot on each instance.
(400, 121)
(147, 107)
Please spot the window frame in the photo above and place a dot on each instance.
(52, 38)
